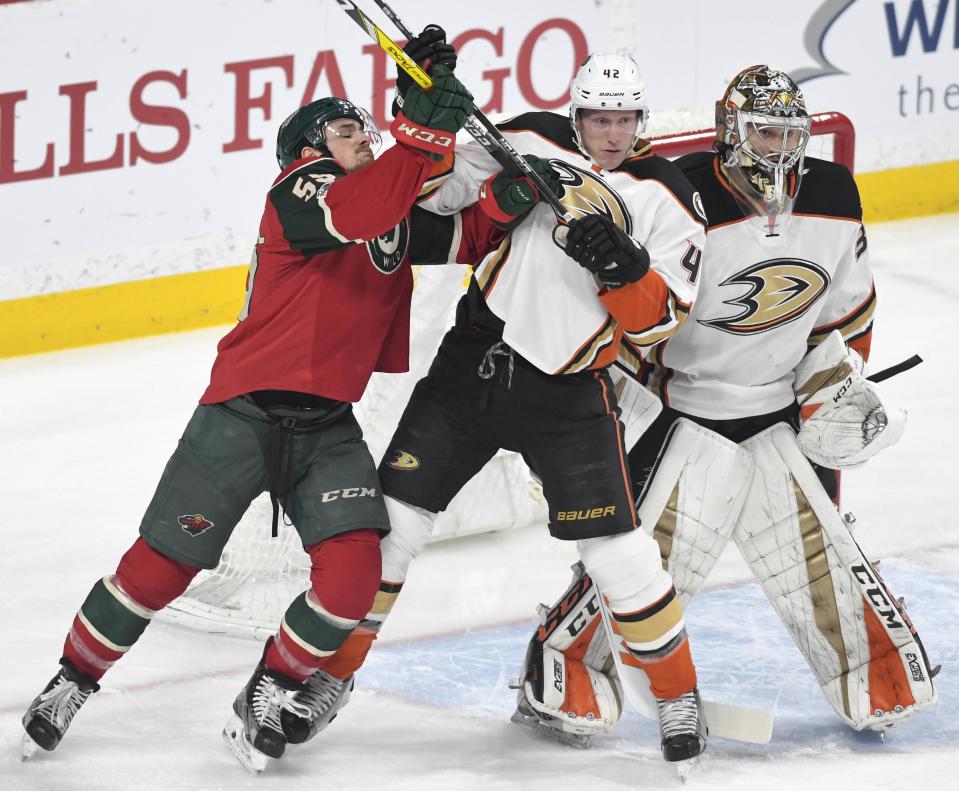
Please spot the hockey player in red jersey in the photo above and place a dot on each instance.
(764, 377)
(327, 304)
(525, 366)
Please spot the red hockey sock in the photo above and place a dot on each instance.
(120, 607)
(345, 576)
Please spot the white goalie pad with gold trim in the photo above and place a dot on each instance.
(845, 418)
(856, 638)
(693, 500)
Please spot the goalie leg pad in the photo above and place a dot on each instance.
(567, 683)
(693, 500)
(856, 638)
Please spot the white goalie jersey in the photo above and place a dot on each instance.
(762, 298)
(556, 314)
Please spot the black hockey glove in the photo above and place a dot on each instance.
(599, 245)
(507, 197)
(428, 49)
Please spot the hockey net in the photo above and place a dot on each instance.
(259, 575)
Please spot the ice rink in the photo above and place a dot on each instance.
(85, 433)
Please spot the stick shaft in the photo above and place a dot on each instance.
(477, 124)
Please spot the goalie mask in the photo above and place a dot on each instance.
(762, 129)
(608, 81)
(308, 127)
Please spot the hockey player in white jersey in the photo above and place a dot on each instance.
(764, 376)
(525, 366)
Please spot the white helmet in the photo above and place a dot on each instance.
(608, 81)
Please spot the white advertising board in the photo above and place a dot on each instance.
(136, 137)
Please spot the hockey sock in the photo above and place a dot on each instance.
(411, 528)
(120, 607)
(344, 576)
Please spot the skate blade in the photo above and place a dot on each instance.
(686, 769)
(28, 748)
(234, 734)
(536, 725)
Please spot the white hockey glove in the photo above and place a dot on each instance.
(845, 419)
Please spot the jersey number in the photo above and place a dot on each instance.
(690, 262)
(611, 73)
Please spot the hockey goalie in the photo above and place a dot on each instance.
(760, 397)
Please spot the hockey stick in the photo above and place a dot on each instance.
(725, 720)
(477, 124)
(893, 370)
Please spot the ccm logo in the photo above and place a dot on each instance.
(876, 595)
(842, 390)
(589, 513)
(356, 491)
(427, 137)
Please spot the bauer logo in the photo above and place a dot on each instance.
(194, 524)
(586, 513)
(403, 461)
(915, 667)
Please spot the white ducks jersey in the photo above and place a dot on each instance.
(763, 300)
(556, 315)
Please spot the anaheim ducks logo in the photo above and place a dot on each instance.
(403, 461)
(780, 291)
(387, 251)
(584, 192)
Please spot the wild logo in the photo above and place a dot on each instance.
(781, 290)
(387, 251)
(194, 524)
(584, 192)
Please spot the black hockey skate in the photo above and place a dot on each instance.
(324, 695)
(255, 733)
(52, 711)
(682, 726)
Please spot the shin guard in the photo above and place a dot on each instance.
(120, 607)
(410, 530)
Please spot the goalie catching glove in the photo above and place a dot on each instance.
(506, 198)
(596, 243)
(845, 419)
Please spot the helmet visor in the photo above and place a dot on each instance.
(349, 127)
(774, 142)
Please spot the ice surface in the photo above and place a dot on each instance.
(84, 436)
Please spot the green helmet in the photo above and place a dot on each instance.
(306, 127)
